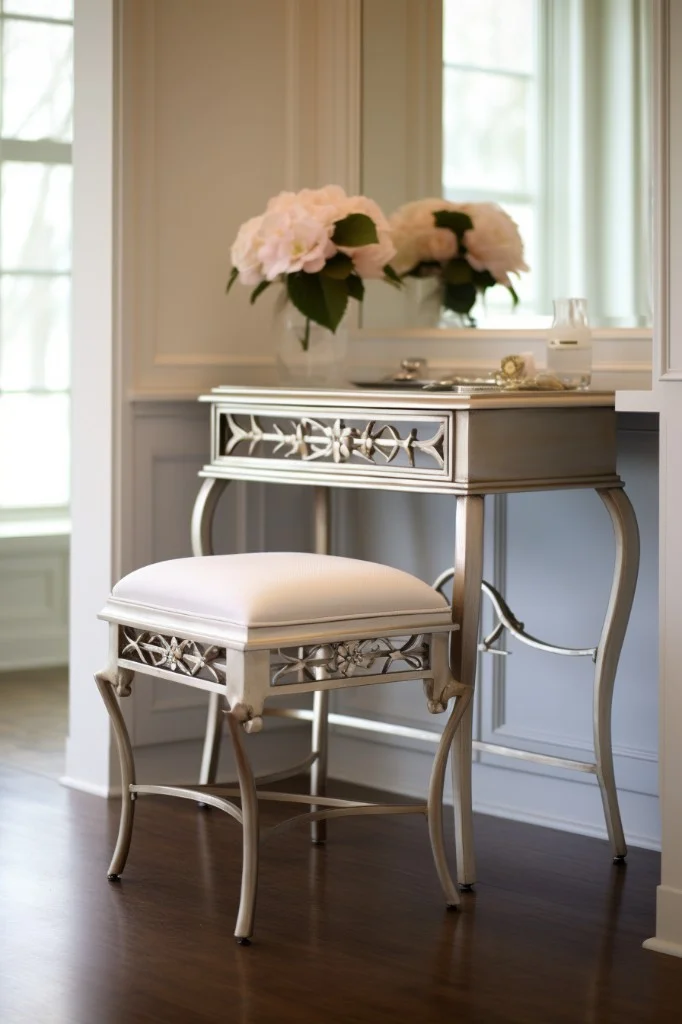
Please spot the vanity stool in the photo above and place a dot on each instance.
(250, 627)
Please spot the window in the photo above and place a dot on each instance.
(490, 99)
(36, 42)
(546, 111)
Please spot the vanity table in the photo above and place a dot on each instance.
(465, 445)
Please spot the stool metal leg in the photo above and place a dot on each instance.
(250, 831)
(109, 683)
(203, 515)
(322, 513)
(214, 730)
(610, 645)
(318, 769)
(466, 607)
(435, 799)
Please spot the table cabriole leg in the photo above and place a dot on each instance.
(466, 608)
(435, 800)
(203, 515)
(107, 681)
(608, 653)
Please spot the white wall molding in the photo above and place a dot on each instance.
(561, 801)
(34, 601)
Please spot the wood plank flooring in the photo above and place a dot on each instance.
(34, 713)
(352, 932)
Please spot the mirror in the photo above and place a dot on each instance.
(542, 106)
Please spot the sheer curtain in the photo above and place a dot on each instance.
(595, 217)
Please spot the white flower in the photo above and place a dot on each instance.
(370, 260)
(245, 251)
(295, 235)
(416, 237)
(494, 243)
(292, 240)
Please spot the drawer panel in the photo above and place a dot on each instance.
(308, 442)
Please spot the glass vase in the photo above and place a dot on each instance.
(315, 359)
(569, 344)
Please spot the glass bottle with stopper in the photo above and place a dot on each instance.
(569, 344)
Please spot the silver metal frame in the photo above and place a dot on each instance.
(489, 443)
(246, 692)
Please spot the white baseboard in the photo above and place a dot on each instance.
(668, 937)
(568, 804)
(169, 764)
(661, 946)
(84, 787)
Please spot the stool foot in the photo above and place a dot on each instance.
(243, 941)
(113, 878)
(318, 842)
(450, 907)
(620, 859)
(204, 807)
(466, 887)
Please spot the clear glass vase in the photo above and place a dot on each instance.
(569, 344)
(316, 360)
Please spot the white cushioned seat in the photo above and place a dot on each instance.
(274, 589)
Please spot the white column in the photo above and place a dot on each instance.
(668, 393)
(88, 764)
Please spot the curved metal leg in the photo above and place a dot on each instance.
(212, 737)
(109, 683)
(320, 727)
(466, 609)
(203, 514)
(608, 652)
(435, 800)
(318, 769)
(250, 835)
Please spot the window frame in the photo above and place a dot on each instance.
(42, 151)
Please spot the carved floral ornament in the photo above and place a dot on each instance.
(186, 657)
(339, 660)
(377, 656)
(311, 439)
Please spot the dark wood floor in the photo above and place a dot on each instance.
(352, 932)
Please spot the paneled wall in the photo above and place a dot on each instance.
(552, 555)
(222, 104)
(33, 598)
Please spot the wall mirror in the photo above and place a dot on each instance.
(540, 105)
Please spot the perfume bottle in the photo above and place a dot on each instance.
(569, 344)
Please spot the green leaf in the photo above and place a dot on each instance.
(258, 290)
(392, 277)
(512, 292)
(319, 298)
(339, 266)
(458, 271)
(460, 298)
(356, 287)
(455, 220)
(484, 279)
(234, 274)
(355, 229)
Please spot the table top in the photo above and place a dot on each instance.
(409, 398)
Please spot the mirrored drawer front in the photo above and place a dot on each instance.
(349, 442)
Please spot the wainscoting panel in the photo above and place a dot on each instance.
(33, 601)
(170, 442)
(552, 554)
